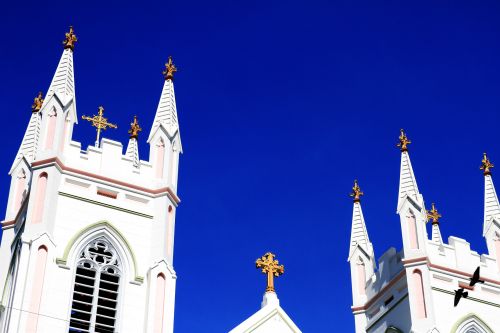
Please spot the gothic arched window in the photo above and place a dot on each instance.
(97, 283)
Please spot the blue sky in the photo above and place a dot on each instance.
(281, 106)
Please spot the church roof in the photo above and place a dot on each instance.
(491, 205)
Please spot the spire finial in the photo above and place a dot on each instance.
(403, 141)
(356, 192)
(100, 123)
(70, 40)
(37, 103)
(135, 128)
(486, 165)
(433, 215)
(270, 267)
(170, 69)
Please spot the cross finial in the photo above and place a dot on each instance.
(100, 123)
(270, 267)
(356, 192)
(37, 103)
(433, 215)
(134, 129)
(70, 40)
(170, 69)
(486, 165)
(403, 141)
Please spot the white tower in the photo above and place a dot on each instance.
(88, 235)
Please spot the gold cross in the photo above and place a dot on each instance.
(100, 123)
(270, 267)
(37, 103)
(70, 40)
(433, 215)
(486, 165)
(170, 69)
(403, 141)
(356, 192)
(134, 129)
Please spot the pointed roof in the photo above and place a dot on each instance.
(436, 233)
(29, 143)
(491, 205)
(434, 215)
(407, 182)
(359, 233)
(133, 151)
(166, 113)
(63, 82)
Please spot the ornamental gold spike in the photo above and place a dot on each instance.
(170, 69)
(403, 141)
(37, 103)
(433, 215)
(70, 40)
(356, 192)
(135, 128)
(271, 268)
(100, 123)
(486, 165)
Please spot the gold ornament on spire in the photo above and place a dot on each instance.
(486, 165)
(70, 40)
(100, 123)
(170, 69)
(270, 267)
(403, 141)
(356, 192)
(134, 129)
(37, 103)
(433, 215)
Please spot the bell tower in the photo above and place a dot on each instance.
(88, 235)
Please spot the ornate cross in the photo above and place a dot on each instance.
(37, 103)
(70, 40)
(403, 141)
(170, 69)
(270, 267)
(433, 215)
(486, 165)
(356, 192)
(100, 123)
(134, 129)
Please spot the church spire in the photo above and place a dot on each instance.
(359, 233)
(133, 148)
(491, 205)
(166, 113)
(407, 182)
(434, 216)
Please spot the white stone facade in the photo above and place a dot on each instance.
(413, 290)
(63, 198)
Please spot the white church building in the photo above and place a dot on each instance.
(413, 290)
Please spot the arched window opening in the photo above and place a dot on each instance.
(51, 128)
(40, 198)
(473, 325)
(160, 302)
(36, 292)
(361, 276)
(160, 158)
(95, 296)
(412, 229)
(65, 133)
(418, 285)
(497, 249)
(19, 190)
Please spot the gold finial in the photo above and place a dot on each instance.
(70, 40)
(100, 123)
(403, 141)
(37, 103)
(270, 267)
(486, 165)
(134, 129)
(170, 69)
(433, 215)
(356, 192)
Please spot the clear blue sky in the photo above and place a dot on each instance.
(281, 106)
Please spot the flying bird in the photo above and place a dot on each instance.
(475, 278)
(459, 293)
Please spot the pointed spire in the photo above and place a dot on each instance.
(133, 148)
(407, 182)
(434, 215)
(166, 113)
(63, 82)
(29, 143)
(491, 205)
(359, 234)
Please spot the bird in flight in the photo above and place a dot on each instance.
(475, 278)
(459, 293)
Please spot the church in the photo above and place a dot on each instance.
(94, 275)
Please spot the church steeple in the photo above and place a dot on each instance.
(133, 149)
(491, 224)
(407, 182)
(359, 233)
